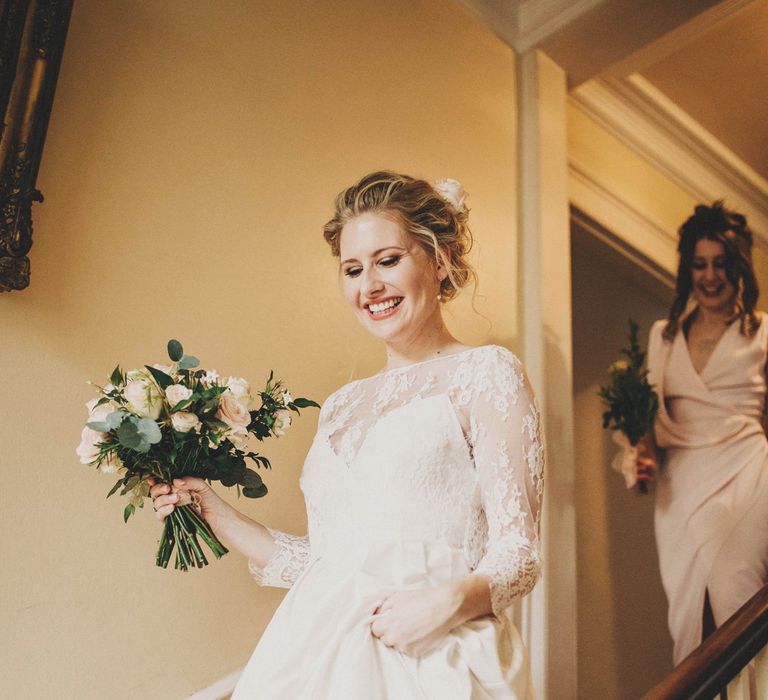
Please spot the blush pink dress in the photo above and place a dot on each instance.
(417, 476)
(711, 515)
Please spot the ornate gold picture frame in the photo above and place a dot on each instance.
(32, 35)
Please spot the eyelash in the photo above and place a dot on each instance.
(389, 261)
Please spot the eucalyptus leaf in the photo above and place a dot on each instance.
(129, 435)
(115, 418)
(256, 492)
(188, 362)
(175, 350)
(149, 430)
(99, 426)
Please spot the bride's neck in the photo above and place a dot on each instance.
(425, 345)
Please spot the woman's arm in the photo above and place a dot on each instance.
(275, 558)
(509, 458)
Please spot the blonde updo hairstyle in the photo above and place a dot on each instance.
(439, 226)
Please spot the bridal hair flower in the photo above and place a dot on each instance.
(453, 192)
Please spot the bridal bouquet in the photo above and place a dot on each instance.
(168, 421)
(631, 405)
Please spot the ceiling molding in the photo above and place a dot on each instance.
(594, 195)
(646, 121)
(538, 19)
(523, 24)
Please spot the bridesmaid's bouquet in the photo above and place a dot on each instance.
(168, 421)
(631, 405)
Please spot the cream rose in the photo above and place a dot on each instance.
(241, 390)
(233, 413)
(176, 393)
(144, 396)
(452, 191)
(283, 421)
(184, 421)
(87, 450)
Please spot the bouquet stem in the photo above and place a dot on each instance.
(181, 530)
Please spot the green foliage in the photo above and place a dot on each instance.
(630, 400)
(175, 350)
(148, 449)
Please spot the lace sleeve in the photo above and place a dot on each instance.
(509, 458)
(285, 566)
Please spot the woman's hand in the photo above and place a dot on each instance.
(416, 622)
(647, 463)
(186, 491)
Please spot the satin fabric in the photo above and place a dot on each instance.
(711, 514)
(481, 660)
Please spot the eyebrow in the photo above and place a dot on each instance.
(377, 252)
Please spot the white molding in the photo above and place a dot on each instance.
(645, 120)
(219, 690)
(548, 624)
(593, 195)
(539, 19)
(523, 24)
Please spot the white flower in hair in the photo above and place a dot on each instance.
(453, 192)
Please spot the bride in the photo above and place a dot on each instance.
(423, 485)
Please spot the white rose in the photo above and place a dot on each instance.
(144, 396)
(283, 421)
(287, 398)
(233, 413)
(98, 413)
(176, 393)
(241, 390)
(184, 421)
(452, 191)
(238, 437)
(87, 450)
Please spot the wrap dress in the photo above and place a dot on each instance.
(711, 511)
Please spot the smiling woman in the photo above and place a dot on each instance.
(709, 368)
(423, 485)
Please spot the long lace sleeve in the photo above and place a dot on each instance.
(509, 458)
(285, 566)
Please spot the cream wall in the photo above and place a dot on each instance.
(192, 156)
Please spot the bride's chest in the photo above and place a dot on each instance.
(416, 453)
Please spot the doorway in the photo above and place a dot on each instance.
(623, 643)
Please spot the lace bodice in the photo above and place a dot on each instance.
(448, 449)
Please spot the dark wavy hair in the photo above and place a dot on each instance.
(729, 228)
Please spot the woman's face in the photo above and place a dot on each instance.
(711, 287)
(388, 278)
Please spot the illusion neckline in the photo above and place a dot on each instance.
(385, 372)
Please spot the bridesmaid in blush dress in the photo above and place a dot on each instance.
(709, 368)
(423, 486)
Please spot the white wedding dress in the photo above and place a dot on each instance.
(417, 476)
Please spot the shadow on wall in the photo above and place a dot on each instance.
(624, 646)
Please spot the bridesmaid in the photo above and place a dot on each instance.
(708, 366)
